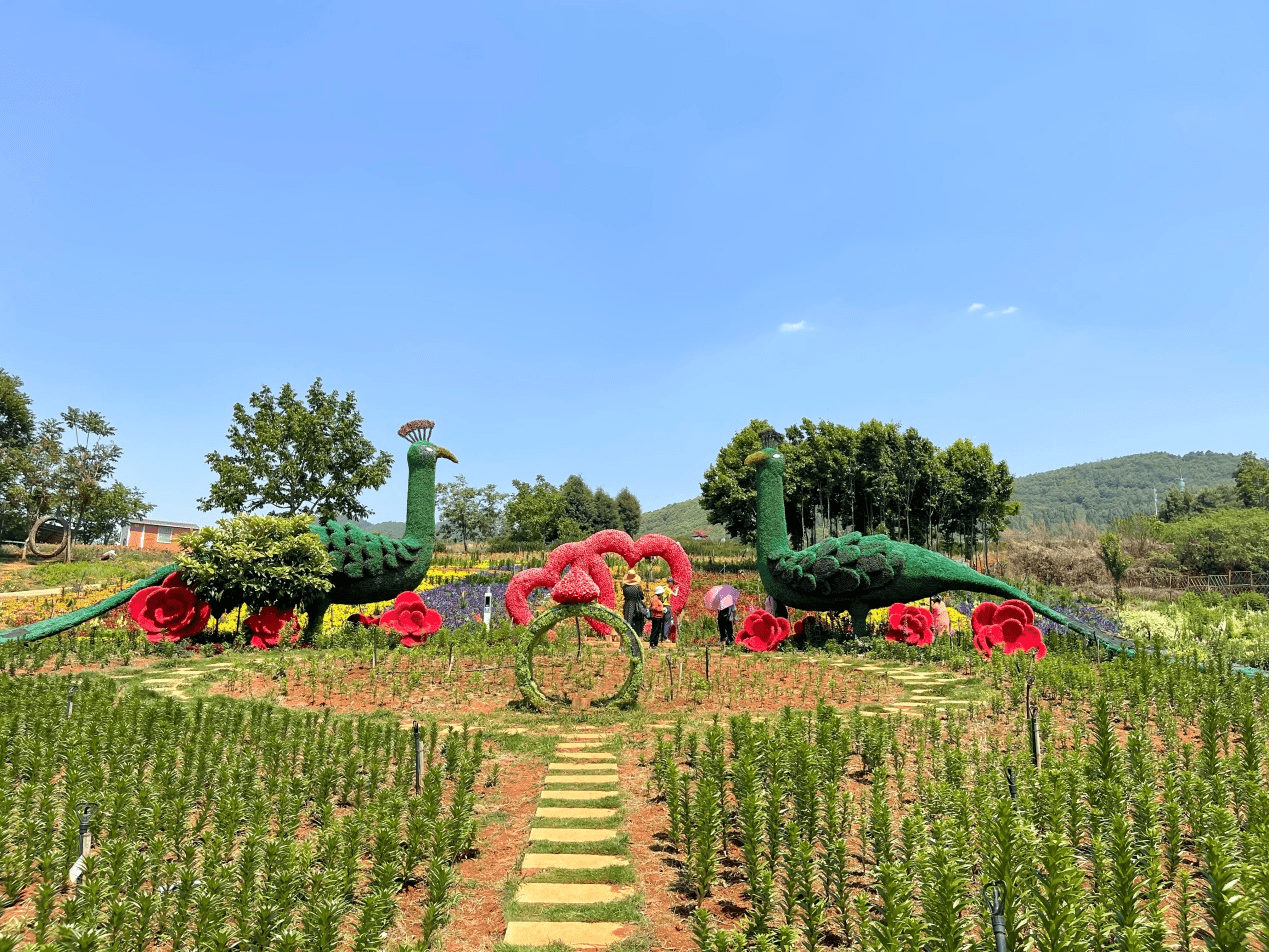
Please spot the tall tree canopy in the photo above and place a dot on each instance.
(468, 513)
(545, 515)
(61, 467)
(876, 478)
(294, 455)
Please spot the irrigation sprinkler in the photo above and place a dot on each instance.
(70, 700)
(86, 810)
(1013, 783)
(994, 896)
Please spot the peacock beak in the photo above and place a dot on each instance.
(443, 453)
(753, 459)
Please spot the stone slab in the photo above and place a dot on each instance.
(571, 861)
(578, 745)
(573, 835)
(586, 755)
(578, 935)
(576, 794)
(571, 893)
(574, 767)
(582, 778)
(589, 735)
(575, 813)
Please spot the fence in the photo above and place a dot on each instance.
(1229, 583)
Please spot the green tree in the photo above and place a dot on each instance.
(1222, 540)
(579, 507)
(17, 432)
(468, 513)
(533, 513)
(294, 455)
(629, 512)
(1178, 505)
(607, 515)
(1116, 561)
(1252, 480)
(256, 561)
(67, 471)
(729, 491)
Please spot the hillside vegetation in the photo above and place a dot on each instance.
(1100, 492)
(678, 520)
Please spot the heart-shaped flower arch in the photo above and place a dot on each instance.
(588, 557)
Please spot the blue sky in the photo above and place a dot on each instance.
(600, 237)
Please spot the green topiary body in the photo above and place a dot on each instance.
(856, 573)
(367, 566)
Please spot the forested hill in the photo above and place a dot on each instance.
(1093, 492)
(1110, 488)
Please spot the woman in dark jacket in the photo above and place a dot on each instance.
(633, 608)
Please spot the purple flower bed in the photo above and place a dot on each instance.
(458, 602)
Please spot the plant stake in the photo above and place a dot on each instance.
(418, 757)
(86, 810)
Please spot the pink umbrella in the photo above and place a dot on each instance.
(720, 597)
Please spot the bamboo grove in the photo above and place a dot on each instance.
(1146, 826)
(222, 824)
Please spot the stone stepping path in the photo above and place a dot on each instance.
(578, 767)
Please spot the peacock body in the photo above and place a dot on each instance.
(368, 567)
(856, 573)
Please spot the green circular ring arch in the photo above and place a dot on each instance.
(626, 696)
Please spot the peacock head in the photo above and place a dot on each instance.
(769, 455)
(418, 433)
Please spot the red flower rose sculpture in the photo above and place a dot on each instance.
(763, 631)
(1011, 624)
(169, 611)
(266, 626)
(576, 588)
(411, 618)
(910, 624)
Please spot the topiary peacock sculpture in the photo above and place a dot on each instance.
(368, 567)
(856, 573)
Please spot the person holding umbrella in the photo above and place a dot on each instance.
(721, 599)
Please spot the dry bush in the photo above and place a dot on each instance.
(1070, 558)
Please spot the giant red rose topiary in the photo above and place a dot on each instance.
(413, 620)
(170, 610)
(910, 624)
(575, 588)
(1011, 625)
(266, 626)
(763, 631)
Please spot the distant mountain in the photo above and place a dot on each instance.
(1090, 492)
(392, 530)
(1111, 488)
(679, 520)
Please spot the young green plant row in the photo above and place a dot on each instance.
(221, 824)
(1147, 827)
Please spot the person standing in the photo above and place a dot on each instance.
(633, 608)
(672, 591)
(942, 620)
(726, 626)
(656, 609)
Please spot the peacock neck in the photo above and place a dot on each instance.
(420, 505)
(773, 534)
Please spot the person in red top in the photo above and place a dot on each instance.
(942, 621)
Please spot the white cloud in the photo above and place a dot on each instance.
(1009, 310)
(974, 307)
(790, 328)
